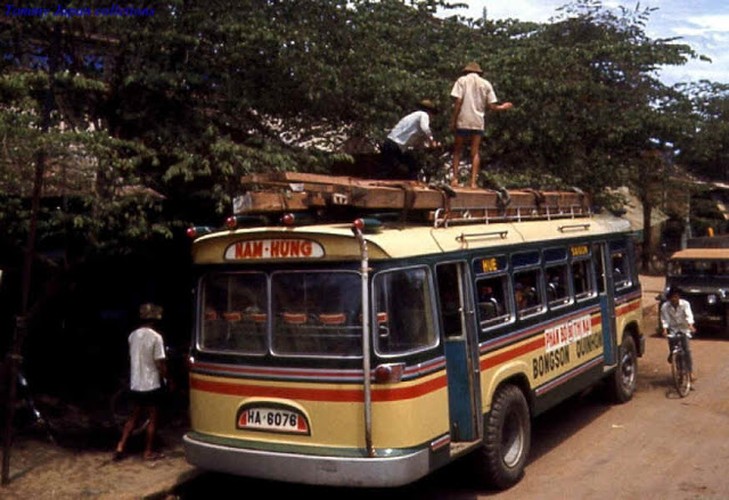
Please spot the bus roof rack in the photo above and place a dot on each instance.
(342, 198)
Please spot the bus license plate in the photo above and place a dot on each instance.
(272, 419)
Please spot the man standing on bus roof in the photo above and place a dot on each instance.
(411, 132)
(473, 95)
(676, 315)
(148, 369)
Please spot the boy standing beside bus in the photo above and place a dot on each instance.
(148, 369)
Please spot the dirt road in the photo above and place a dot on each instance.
(656, 446)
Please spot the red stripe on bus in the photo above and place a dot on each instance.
(630, 307)
(379, 394)
(532, 345)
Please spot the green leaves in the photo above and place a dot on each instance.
(158, 117)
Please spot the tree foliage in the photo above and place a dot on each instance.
(146, 122)
(704, 148)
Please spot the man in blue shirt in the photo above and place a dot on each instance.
(411, 132)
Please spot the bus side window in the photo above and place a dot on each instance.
(557, 290)
(620, 264)
(597, 259)
(528, 298)
(493, 305)
(404, 298)
(582, 282)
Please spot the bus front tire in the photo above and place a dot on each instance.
(624, 379)
(507, 439)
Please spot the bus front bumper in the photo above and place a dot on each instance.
(370, 472)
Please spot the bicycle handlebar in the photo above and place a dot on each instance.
(678, 333)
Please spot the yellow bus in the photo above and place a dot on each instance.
(332, 349)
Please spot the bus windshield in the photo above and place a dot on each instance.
(686, 267)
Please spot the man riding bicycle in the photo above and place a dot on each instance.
(676, 316)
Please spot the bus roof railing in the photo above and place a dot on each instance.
(472, 215)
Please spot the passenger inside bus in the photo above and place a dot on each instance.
(489, 305)
(520, 296)
(556, 289)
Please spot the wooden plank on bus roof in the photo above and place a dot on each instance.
(279, 191)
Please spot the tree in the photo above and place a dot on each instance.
(704, 148)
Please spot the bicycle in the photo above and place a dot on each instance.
(121, 407)
(679, 364)
(175, 397)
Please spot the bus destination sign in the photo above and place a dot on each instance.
(274, 249)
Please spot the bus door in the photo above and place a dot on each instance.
(604, 274)
(461, 350)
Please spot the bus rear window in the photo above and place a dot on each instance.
(306, 313)
(316, 313)
(234, 312)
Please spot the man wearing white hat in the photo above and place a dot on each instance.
(473, 95)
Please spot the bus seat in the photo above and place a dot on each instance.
(257, 317)
(233, 316)
(291, 318)
(211, 315)
(489, 310)
(332, 319)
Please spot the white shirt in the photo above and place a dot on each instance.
(412, 131)
(677, 318)
(145, 347)
(475, 92)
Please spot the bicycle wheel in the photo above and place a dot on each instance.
(681, 376)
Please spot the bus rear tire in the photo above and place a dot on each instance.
(507, 439)
(624, 378)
